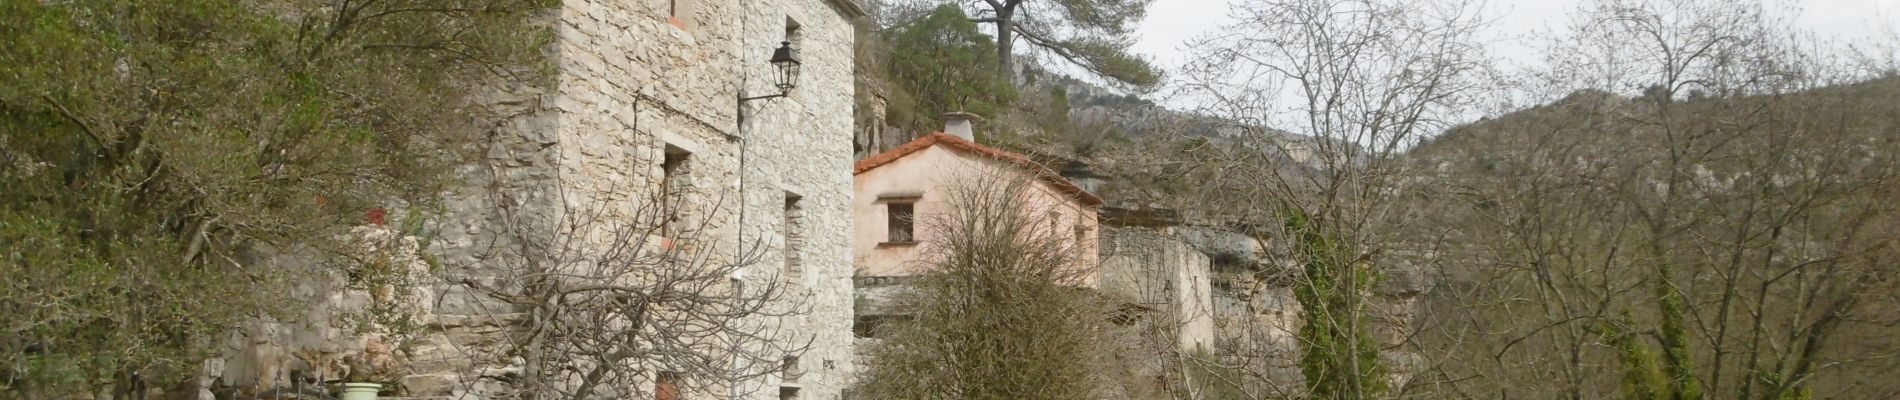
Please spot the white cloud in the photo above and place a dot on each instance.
(1171, 23)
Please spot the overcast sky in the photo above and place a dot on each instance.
(1171, 22)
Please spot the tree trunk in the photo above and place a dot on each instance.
(1005, 40)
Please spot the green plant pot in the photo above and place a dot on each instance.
(360, 391)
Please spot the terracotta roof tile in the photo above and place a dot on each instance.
(957, 143)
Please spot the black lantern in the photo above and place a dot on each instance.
(786, 59)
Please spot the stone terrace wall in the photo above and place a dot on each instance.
(1152, 268)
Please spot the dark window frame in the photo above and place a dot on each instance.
(676, 170)
(900, 222)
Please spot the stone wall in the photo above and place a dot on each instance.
(631, 84)
(635, 85)
(1152, 268)
(371, 321)
(1252, 316)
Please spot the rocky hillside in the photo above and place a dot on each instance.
(1665, 232)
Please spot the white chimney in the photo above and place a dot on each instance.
(961, 124)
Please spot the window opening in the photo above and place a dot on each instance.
(794, 233)
(675, 171)
(869, 326)
(902, 218)
(791, 370)
(1054, 220)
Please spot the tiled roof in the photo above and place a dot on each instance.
(958, 144)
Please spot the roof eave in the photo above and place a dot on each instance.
(850, 8)
(957, 144)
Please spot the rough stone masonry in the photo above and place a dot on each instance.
(637, 84)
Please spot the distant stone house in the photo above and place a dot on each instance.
(898, 190)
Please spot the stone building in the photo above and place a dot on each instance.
(649, 93)
(899, 191)
(645, 98)
(1152, 269)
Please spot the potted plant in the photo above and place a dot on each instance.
(359, 391)
(358, 383)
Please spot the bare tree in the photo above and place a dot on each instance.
(1000, 312)
(1700, 217)
(637, 301)
(1353, 84)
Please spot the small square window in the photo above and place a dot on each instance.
(675, 180)
(674, 167)
(902, 222)
(791, 371)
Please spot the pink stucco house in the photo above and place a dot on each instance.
(897, 188)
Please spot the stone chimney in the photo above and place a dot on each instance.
(961, 124)
(1082, 176)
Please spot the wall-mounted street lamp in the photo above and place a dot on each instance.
(786, 60)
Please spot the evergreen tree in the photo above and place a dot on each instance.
(940, 64)
(149, 148)
(1091, 34)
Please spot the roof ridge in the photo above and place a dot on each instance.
(924, 142)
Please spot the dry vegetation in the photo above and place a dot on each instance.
(1702, 207)
(610, 301)
(1726, 233)
(1000, 313)
(151, 149)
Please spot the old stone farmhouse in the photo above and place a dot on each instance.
(649, 95)
(660, 83)
(648, 99)
(900, 190)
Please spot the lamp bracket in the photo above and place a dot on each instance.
(742, 100)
